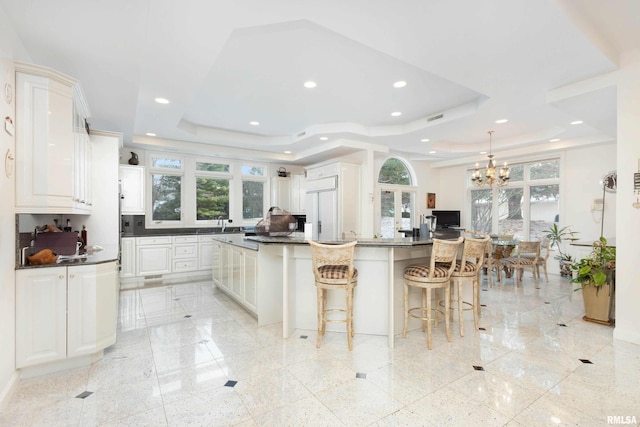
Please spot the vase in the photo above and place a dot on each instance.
(599, 304)
(134, 159)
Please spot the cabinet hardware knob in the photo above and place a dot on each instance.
(71, 276)
(61, 276)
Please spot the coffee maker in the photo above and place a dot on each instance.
(428, 227)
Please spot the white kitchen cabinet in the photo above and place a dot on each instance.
(50, 168)
(288, 193)
(153, 255)
(236, 272)
(92, 308)
(41, 315)
(127, 257)
(63, 312)
(250, 279)
(132, 190)
(185, 253)
(236, 285)
(205, 252)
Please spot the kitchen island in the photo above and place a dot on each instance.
(284, 285)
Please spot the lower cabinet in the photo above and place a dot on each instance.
(62, 312)
(235, 271)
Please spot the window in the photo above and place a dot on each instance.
(212, 167)
(397, 198)
(166, 188)
(526, 207)
(212, 198)
(253, 192)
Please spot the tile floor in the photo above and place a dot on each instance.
(187, 355)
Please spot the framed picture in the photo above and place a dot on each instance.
(431, 200)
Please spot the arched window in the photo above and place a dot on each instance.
(397, 198)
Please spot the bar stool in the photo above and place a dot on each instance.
(333, 269)
(467, 270)
(435, 275)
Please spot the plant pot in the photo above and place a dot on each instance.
(565, 267)
(599, 304)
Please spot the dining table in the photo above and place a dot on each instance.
(502, 248)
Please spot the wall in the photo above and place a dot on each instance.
(628, 217)
(10, 48)
(582, 170)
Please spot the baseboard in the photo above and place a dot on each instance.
(9, 389)
(626, 335)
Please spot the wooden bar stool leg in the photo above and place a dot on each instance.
(447, 308)
(428, 306)
(424, 304)
(320, 298)
(460, 313)
(349, 313)
(476, 301)
(406, 310)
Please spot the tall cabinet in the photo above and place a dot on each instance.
(53, 149)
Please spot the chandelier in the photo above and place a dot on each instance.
(491, 174)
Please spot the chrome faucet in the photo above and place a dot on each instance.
(221, 221)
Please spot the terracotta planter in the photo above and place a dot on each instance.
(599, 304)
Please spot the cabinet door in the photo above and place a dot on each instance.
(132, 189)
(250, 279)
(236, 273)
(216, 263)
(41, 315)
(44, 145)
(281, 192)
(128, 257)
(92, 308)
(206, 252)
(153, 259)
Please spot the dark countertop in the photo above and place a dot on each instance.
(382, 243)
(182, 231)
(100, 257)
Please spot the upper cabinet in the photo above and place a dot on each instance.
(53, 149)
(132, 190)
(288, 193)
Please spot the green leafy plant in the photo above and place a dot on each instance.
(598, 268)
(556, 236)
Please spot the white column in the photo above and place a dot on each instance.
(627, 217)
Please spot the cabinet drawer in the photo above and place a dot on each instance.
(185, 239)
(185, 251)
(160, 240)
(185, 265)
(208, 237)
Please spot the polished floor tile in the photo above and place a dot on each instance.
(186, 354)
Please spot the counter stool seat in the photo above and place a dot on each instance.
(333, 269)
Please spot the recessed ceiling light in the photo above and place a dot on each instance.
(396, 113)
(150, 134)
(483, 152)
(254, 123)
(500, 121)
(324, 138)
(161, 100)
(310, 84)
(287, 152)
(424, 140)
(399, 84)
(576, 122)
(554, 140)
(432, 152)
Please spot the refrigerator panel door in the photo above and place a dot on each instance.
(327, 215)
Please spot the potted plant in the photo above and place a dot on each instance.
(557, 236)
(597, 277)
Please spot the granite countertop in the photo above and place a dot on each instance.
(610, 242)
(296, 240)
(106, 255)
(238, 240)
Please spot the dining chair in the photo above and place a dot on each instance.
(428, 277)
(544, 256)
(527, 256)
(333, 269)
(492, 262)
(467, 270)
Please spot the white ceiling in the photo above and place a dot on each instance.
(539, 64)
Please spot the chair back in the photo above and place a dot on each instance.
(529, 248)
(473, 253)
(544, 248)
(332, 255)
(444, 252)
